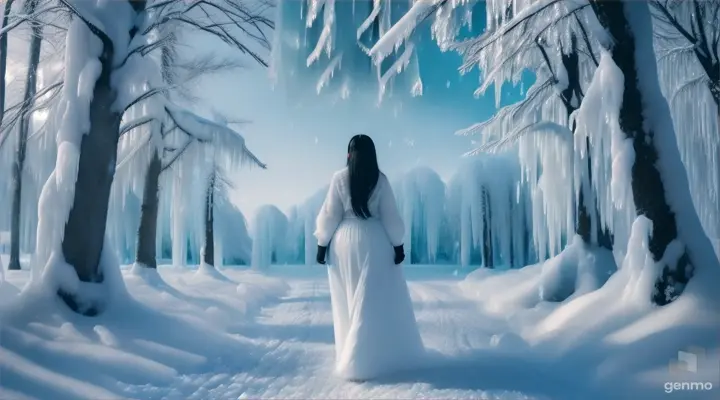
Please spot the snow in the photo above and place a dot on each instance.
(577, 322)
(597, 119)
(184, 334)
(142, 346)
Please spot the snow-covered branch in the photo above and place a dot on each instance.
(542, 127)
(135, 124)
(206, 131)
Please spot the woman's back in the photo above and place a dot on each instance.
(343, 185)
(338, 207)
(375, 328)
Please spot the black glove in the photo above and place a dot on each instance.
(322, 250)
(399, 254)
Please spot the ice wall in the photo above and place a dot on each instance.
(489, 212)
(421, 200)
(302, 243)
(269, 235)
(232, 238)
(484, 205)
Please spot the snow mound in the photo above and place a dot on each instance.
(575, 271)
(604, 331)
(8, 292)
(145, 346)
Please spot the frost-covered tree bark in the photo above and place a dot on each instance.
(209, 242)
(84, 236)
(649, 191)
(487, 246)
(23, 132)
(147, 231)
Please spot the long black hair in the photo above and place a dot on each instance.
(364, 173)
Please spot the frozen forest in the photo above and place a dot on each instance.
(572, 251)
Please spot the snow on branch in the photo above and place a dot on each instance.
(18, 19)
(176, 154)
(217, 16)
(404, 28)
(206, 131)
(148, 94)
(135, 124)
(46, 94)
(108, 46)
(514, 136)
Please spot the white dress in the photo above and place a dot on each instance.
(375, 328)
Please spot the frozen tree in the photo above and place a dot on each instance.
(688, 30)
(421, 201)
(105, 64)
(302, 246)
(162, 147)
(29, 8)
(269, 230)
(546, 110)
(488, 213)
(205, 141)
(4, 54)
(645, 173)
(687, 42)
(659, 182)
(217, 190)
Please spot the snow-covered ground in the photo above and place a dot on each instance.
(202, 335)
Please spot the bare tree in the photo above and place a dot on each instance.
(649, 186)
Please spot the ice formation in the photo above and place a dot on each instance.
(302, 246)
(421, 201)
(447, 225)
(695, 109)
(489, 214)
(269, 237)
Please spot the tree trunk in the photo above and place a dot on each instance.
(3, 57)
(147, 232)
(84, 235)
(572, 97)
(488, 257)
(19, 165)
(647, 185)
(209, 254)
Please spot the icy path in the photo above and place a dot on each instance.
(299, 363)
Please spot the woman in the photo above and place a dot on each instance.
(375, 328)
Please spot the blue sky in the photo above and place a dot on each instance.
(303, 137)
